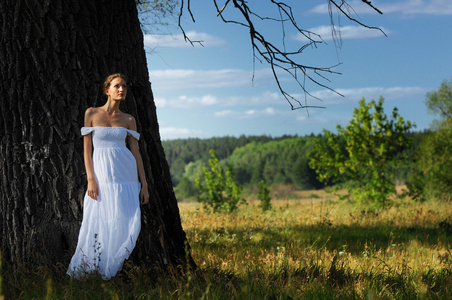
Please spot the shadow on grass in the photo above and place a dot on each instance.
(325, 235)
(308, 281)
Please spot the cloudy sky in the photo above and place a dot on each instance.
(217, 89)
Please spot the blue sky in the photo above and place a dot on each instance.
(208, 90)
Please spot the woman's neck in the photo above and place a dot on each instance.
(111, 106)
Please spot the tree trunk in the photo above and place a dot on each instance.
(54, 56)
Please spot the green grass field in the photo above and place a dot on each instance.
(306, 247)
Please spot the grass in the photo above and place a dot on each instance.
(304, 248)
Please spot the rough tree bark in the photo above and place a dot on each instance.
(54, 55)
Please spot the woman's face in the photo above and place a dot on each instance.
(117, 89)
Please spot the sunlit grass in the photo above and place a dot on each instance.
(297, 242)
(306, 247)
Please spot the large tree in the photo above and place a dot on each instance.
(54, 56)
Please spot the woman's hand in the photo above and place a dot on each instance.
(144, 194)
(93, 190)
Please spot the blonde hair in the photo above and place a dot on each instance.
(111, 77)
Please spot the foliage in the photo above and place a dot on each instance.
(276, 162)
(435, 153)
(279, 160)
(182, 152)
(218, 192)
(364, 153)
(264, 196)
(440, 101)
(409, 172)
(435, 159)
(185, 189)
(156, 15)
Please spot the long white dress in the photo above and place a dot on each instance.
(110, 225)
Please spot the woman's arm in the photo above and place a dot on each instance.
(92, 190)
(133, 145)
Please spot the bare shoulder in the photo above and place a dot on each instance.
(131, 123)
(89, 115)
(91, 111)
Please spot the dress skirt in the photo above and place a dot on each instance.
(110, 225)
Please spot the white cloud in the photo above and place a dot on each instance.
(272, 99)
(224, 113)
(169, 133)
(346, 33)
(354, 95)
(160, 102)
(251, 113)
(174, 79)
(184, 101)
(177, 40)
(358, 7)
(410, 7)
(419, 7)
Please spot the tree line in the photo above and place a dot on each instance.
(368, 157)
(275, 160)
(185, 155)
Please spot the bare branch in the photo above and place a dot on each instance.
(186, 38)
(221, 10)
(278, 57)
(376, 9)
(347, 14)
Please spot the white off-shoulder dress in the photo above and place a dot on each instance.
(110, 225)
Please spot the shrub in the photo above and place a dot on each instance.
(264, 196)
(219, 190)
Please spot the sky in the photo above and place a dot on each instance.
(219, 89)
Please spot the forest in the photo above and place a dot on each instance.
(282, 161)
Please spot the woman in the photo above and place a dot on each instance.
(116, 186)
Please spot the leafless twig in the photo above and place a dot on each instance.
(186, 38)
(278, 57)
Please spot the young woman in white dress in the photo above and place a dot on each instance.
(116, 186)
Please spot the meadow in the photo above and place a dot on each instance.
(308, 246)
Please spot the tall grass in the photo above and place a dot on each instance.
(302, 249)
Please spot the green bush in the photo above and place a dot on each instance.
(435, 154)
(185, 189)
(435, 159)
(364, 154)
(219, 190)
(264, 196)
